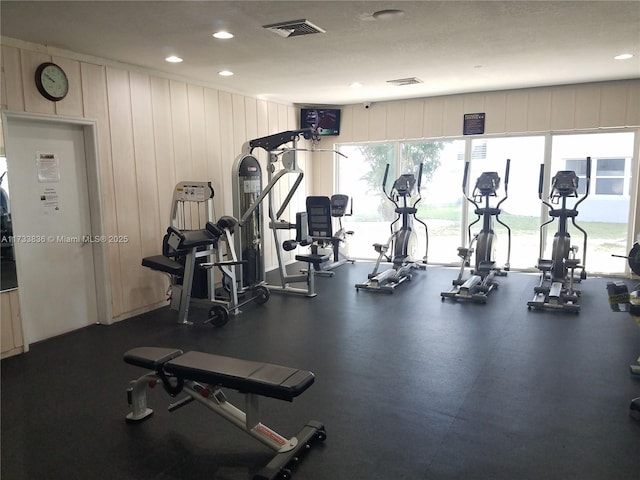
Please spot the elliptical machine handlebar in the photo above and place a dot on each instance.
(506, 183)
(586, 191)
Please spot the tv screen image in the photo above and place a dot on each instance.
(324, 121)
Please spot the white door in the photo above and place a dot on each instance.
(51, 223)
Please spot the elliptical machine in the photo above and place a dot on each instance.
(557, 289)
(401, 246)
(482, 279)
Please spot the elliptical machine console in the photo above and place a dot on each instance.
(557, 289)
(482, 281)
(400, 249)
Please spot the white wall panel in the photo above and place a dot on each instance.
(516, 110)
(12, 84)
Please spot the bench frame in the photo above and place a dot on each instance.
(212, 397)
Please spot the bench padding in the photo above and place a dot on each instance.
(275, 381)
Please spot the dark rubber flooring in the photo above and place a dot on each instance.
(408, 387)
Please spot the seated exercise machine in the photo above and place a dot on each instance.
(190, 256)
(621, 300)
(482, 279)
(321, 211)
(248, 199)
(557, 288)
(202, 376)
(401, 246)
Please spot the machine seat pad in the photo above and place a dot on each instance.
(151, 357)
(197, 238)
(275, 381)
(316, 259)
(163, 264)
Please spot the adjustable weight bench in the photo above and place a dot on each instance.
(201, 376)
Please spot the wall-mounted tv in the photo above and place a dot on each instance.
(324, 121)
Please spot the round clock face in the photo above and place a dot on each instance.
(51, 81)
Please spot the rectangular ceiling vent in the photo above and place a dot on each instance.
(400, 82)
(294, 28)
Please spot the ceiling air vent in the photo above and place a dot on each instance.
(400, 82)
(294, 28)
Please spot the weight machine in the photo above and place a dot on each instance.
(557, 288)
(193, 250)
(248, 199)
(482, 279)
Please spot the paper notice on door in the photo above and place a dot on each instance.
(49, 201)
(48, 167)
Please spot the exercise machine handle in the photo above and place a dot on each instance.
(586, 192)
(506, 175)
(420, 176)
(464, 177)
(541, 181)
(384, 180)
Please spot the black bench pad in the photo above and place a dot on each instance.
(163, 264)
(275, 381)
(151, 357)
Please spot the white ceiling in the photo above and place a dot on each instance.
(452, 46)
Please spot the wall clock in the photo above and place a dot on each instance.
(51, 81)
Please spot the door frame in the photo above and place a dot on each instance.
(96, 209)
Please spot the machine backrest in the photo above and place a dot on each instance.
(319, 210)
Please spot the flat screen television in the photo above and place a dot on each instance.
(324, 121)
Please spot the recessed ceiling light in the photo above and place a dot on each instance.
(225, 73)
(623, 56)
(387, 14)
(355, 85)
(223, 35)
(173, 59)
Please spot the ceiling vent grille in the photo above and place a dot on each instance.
(400, 82)
(294, 28)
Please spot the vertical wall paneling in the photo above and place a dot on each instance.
(126, 188)
(11, 325)
(94, 99)
(563, 105)
(495, 109)
(453, 115)
(212, 140)
(633, 104)
(163, 148)
(395, 120)
(539, 111)
(33, 101)
(433, 116)
(195, 98)
(413, 118)
(377, 125)
(153, 284)
(70, 105)
(516, 111)
(228, 149)
(360, 126)
(613, 105)
(587, 106)
(12, 79)
(473, 103)
(181, 134)
(346, 122)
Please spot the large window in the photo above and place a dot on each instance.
(361, 177)
(604, 215)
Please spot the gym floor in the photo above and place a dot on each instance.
(408, 387)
